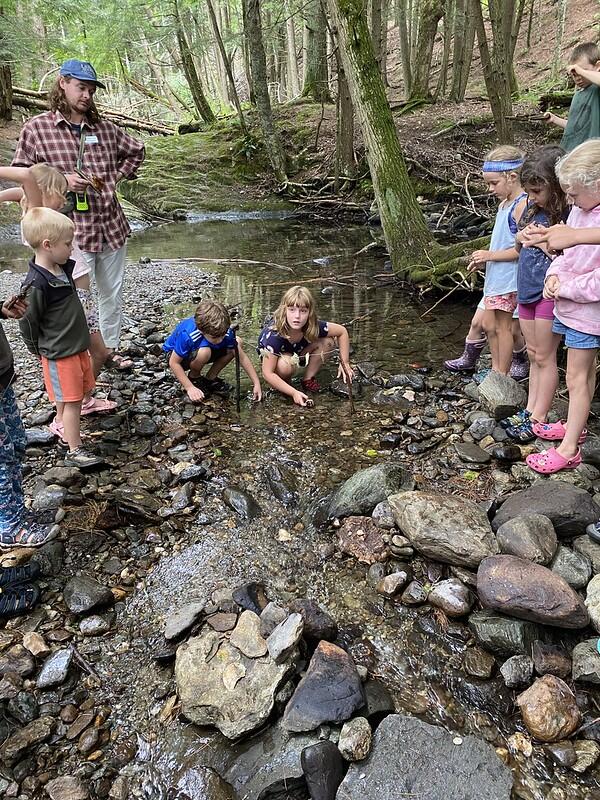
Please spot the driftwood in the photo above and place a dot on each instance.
(555, 100)
(36, 101)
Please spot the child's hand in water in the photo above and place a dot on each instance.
(301, 399)
(257, 392)
(196, 395)
(346, 374)
(551, 287)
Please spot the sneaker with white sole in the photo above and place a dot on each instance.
(83, 459)
(593, 531)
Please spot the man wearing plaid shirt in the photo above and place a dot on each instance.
(73, 138)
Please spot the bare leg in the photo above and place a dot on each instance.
(581, 381)
(517, 332)
(285, 369)
(317, 353)
(505, 342)
(545, 369)
(198, 364)
(218, 365)
(70, 414)
(476, 331)
(489, 326)
(528, 326)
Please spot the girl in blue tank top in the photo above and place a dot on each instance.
(501, 174)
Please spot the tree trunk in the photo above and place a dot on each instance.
(375, 25)
(5, 92)
(316, 77)
(292, 56)
(405, 55)
(344, 142)
(227, 66)
(464, 42)
(385, 10)
(402, 220)
(430, 14)
(190, 72)
(496, 60)
(442, 85)
(258, 65)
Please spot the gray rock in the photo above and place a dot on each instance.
(530, 536)
(592, 601)
(194, 473)
(95, 625)
(51, 558)
(23, 707)
(412, 758)
(586, 661)
(64, 476)
(414, 594)
(391, 584)
(285, 637)
(568, 508)
(318, 623)
(55, 669)
(244, 505)
(408, 380)
(375, 574)
(82, 594)
(501, 395)
(355, 739)
(270, 618)
(529, 591)
(366, 488)
(562, 753)
(517, 671)
(67, 787)
(575, 568)
(17, 659)
(182, 620)
(282, 483)
(444, 527)
(330, 691)
(232, 692)
(481, 427)
(246, 635)
(323, 769)
(145, 426)
(505, 452)
(590, 549)
(51, 497)
(502, 635)
(471, 453)
(382, 514)
(39, 436)
(590, 450)
(452, 596)
(391, 397)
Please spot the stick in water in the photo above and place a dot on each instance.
(346, 370)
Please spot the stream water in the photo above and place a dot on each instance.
(415, 657)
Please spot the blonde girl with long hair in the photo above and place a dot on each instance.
(296, 338)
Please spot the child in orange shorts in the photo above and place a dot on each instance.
(55, 328)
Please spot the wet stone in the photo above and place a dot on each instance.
(24, 707)
(586, 661)
(330, 691)
(285, 637)
(55, 669)
(412, 381)
(244, 505)
(31, 735)
(366, 488)
(282, 483)
(323, 769)
(562, 753)
(182, 620)
(145, 426)
(517, 671)
(375, 574)
(392, 584)
(10, 685)
(452, 596)
(318, 623)
(382, 515)
(88, 740)
(136, 501)
(82, 722)
(479, 663)
(391, 397)
(52, 496)
(471, 454)
(575, 568)
(551, 659)
(195, 472)
(587, 753)
(549, 709)
(95, 625)
(414, 594)
(249, 596)
(82, 594)
(507, 453)
(271, 616)
(502, 635)
(361, 538)
(39, 436)
(355, 739)
(17, 659)
(67, 788)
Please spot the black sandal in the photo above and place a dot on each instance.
(16, 600)
(23, 573)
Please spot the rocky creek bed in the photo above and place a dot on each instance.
(386, 604)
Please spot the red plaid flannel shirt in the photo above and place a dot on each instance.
(50, 139)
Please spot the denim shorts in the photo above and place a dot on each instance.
(576, 339)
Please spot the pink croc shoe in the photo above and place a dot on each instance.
(554, 431)
(551, 461)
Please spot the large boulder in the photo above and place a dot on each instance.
(410, 758)
(529, 591)
(568, 508)
(366, 488)
(501, 395)
(219, 685)
(444, 527)
(530, 536)
(330, 691)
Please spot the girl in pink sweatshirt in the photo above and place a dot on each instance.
(573, 281)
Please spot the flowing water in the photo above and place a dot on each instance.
(414, 656)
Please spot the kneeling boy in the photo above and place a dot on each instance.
(202, 339)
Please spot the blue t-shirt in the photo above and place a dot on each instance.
(533, 263)
(186, 339)
(277, 344)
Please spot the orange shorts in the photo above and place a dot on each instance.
(68, 379)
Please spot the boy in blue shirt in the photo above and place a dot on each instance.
(205, 338)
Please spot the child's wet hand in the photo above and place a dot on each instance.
(300, 399)
(347, 374)
(196, 395)
(257, 392)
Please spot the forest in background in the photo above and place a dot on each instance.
(175, 62)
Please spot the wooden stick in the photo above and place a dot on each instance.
(445, 297)
(347, 373)
(199, 260)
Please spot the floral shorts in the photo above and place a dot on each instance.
(90, 309)
(501, 302)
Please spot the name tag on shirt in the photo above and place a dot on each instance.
(91, 139)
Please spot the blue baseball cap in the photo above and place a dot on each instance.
(81, 70)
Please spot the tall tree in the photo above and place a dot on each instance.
(316, 74)
(258, 66)
(402, 220)
(292, 56)
(430, 13)
(5, 73)
(496, 61)
(226, 65)
(464, 42)
(188, 66)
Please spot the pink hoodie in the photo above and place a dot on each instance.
(578, 270)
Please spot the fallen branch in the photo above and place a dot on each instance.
(198, 260)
